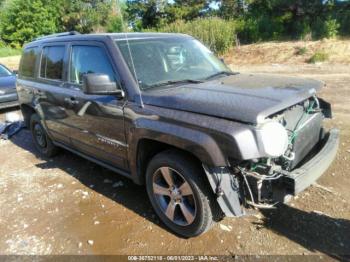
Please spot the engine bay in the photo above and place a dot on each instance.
(263, 180)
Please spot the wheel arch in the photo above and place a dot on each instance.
(27, 112)
(146, 143)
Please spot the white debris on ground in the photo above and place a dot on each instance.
(225, 228)
(28, 245)
(13, 117)
(329, 190)
(90, 242)
(83, 194)
(19, 198)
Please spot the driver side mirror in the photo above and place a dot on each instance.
(100, 84)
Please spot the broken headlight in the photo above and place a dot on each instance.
(274, 138)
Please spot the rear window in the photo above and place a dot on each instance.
(27, 67)
(52, 62)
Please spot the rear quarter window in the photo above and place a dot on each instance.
(27, 65)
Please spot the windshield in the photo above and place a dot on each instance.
(170, 60)
(4, 71)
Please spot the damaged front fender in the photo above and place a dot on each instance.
(225, 185)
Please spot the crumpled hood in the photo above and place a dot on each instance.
(8, 84)
(243, 97)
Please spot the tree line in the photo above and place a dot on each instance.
(256, 19)
(250, 20)
(23, 20)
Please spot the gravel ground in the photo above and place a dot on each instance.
(68, 205)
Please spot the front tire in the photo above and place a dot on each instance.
(42, 142)
(178, 193)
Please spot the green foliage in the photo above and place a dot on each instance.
(23, 20)
(325, 28)
(231, 9)
(248, 30)
(287, 19)
(185, 9)
(302, 30)
(8, 51)
(254, 20)
(343, 17)
(331, 27)
(301, 51)
(115, 24)
(144, 14)
(216, 33)
(84, 16)
(319, 56)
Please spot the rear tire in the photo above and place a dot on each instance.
(179, 194)
(42, 142)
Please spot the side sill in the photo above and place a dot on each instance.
(96, 161)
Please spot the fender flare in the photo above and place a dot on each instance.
(200, 144)
(37, 110)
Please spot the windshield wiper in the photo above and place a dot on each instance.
(228, 73)
(173, 82)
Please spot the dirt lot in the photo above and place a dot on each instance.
(67, 205)
(289, 52)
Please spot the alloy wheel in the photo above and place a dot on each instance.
(174, 196)
(39, 135)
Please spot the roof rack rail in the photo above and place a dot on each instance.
(57, 35)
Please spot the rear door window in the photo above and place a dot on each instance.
(52, 62)
(88, 60)
(27, 66)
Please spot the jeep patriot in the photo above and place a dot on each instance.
(164, 111)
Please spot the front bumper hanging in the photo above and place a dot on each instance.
(226, 186)
(302, 177)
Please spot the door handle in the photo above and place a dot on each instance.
(71, 101)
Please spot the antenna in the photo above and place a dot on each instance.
(130, 53)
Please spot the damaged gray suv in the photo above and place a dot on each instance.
(162, 110)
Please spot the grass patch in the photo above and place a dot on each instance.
(301, 51)
(216, 33)
(8, 51)
(319, 56)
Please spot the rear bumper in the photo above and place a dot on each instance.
(302, 177)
